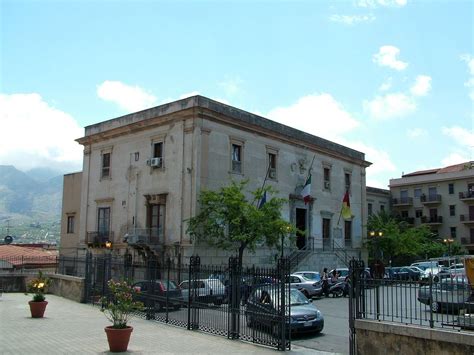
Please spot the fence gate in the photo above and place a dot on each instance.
(356, 303)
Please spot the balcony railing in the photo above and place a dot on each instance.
(402, 201)
(432, 219)
(465, 218)
(467, 241)
(466, 195)
(430, 199)
(408, 220)
(99, 238)
(145, 236)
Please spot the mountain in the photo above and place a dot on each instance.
(30, 199)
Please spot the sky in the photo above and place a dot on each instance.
(391, 78)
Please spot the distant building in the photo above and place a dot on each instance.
(143, 172)
(442, 199)
(21, 258)
(378, 200)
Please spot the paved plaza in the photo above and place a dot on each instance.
(74, 328)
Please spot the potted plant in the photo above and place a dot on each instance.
(117, 307)
(38, 287)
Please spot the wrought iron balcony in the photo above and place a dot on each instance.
(408, 220)
(98, 239)
(432, 219)
(402, 201)
(430, 199)
(465, 218)
(466, 196)
(145, 236)
(467, 241)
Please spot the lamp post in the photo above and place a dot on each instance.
(376, 235)
(448, 242)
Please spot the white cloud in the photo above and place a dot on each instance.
(422, 85)
(376, 3)
(380, 159)
(231, 86)
(390, 106)
(318, 114)
(387, 57)
(461, 135)
(352, 19)
(129, 98)
(416, 132)
(470, 82)
(35, 134)
(453, 159)
(386, 85)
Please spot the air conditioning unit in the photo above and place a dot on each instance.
(327, 185)
(272, 174)
(156, 162)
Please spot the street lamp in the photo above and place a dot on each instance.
(108, 245)
(448, 242)
(377, 235)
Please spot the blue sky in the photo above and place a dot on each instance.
(391, 78)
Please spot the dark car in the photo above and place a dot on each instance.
(263, 310)
(247, 284)
(159, 294)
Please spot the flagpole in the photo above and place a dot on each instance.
(264, 180)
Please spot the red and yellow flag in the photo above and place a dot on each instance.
(346, 207)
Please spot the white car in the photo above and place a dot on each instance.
(430, 268)
(207, 290)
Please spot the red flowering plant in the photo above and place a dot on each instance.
(120, 303)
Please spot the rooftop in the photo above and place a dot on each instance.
(447, 169)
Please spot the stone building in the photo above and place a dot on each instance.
(142, 174)
(441, 198)
(378, 200)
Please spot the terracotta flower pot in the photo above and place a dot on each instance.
(37, 308)
(118, 338)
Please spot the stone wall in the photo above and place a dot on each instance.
(66, 286)
(388, 338)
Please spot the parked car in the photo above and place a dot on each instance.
(430, 268)
(405, 273)
(310, 275)
(161, 293)
(207, 290)
(263, 309)
(449, 294)
(342, 273)
(307, 287)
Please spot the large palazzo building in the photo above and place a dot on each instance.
(143, 172)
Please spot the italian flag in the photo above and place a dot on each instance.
(346, 207)
(306, 192)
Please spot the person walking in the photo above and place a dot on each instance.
(325, 281)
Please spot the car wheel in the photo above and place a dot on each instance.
(435, 307)
(306, 293)
(338, 292)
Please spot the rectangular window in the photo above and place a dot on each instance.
(103, 221)
(418, 213)
(451, 189)
(347, 230)
(453, 232)
(369, 209)
(158, 150)
(404, 214)
(326, 228)
(432, 192)
(452, 210)
(347, 180)
(382, 208)
(105, 165)
(272, 166)
(327, 179)
(236, 158)
(417, 193)
(70, 224)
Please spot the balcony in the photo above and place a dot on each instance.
(430, 199)
(432, 220)
(467, 196)
(467, 219)
(145, 237)
(98, 239)
(402, 201)
(407, 220)
(468, 242)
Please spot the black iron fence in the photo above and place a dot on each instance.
(439, 301)
(225, 300)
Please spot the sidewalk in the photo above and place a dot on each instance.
(75, 328)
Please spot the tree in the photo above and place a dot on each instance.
(228, 220)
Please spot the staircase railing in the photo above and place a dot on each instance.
(341, 253)
(298, 255)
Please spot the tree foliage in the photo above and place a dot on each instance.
(229, 221)
(401, 243)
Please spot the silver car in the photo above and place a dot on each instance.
(448, 294)
(309, 288)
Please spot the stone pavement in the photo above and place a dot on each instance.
(74, 328)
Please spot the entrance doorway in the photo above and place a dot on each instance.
(301, 226)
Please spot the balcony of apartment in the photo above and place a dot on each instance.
(430, 199)
(468, 242)
(99, 239)
(432, 220)
(151, 237)
(467, 196)
(407, 220)
(402, 201)
(466, 219)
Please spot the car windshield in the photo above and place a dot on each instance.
(311, 276)
(297, 298)
(172, 285)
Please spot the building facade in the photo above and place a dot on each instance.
(378, 200)
(442, 198)
(143, 172)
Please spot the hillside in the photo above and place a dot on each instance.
(31, 203)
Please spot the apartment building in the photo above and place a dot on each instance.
(143, 172)
(441, 198)
(378, 200)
